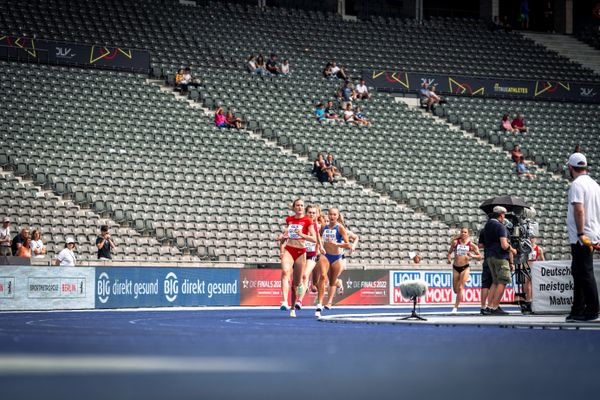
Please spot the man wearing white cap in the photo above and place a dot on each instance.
(499, 255)
(66, 257)
(5, 249)
(583, 226)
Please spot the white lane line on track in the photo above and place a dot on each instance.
(39, 364)
(202, 308)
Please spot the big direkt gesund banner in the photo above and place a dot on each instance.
(262, 287)
(399, 81)
(65, 53)
(440, 290)
(46, 288)
(552, 286)
(160, 287)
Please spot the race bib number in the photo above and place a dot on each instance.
(462, 250)
(292, 231)
(329, 236)
(311, 247)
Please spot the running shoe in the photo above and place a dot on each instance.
(313, 288)
(573, 318)
(318, 310)
(327, 306)
(454, 310)
(293, 313)
(486, 311)
(499, 311)
(284, 307)
(340, 289)
(298, 306)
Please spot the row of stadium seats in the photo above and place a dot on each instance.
(203, 189)
(461, 46)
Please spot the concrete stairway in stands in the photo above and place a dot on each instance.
(570, 47)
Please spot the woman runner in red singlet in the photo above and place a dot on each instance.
(463, 250)
(299, 229)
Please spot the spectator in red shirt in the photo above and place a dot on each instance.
(518, 124)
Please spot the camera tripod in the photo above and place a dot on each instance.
(522, 274)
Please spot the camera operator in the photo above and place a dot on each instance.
(499, 254)
(583, 225)
(486, 276)
(104, 243)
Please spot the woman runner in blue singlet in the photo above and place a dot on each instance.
(335, 239)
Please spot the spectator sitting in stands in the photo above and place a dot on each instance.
(360, 118)
(220, 119)
(272, 65)
(5, 240)
(362, 91)
(233, 121)
(347, 94)
(251, 64)
(331, 111)
(319, 113)
(522, 169)
(319, 169)
(505, 24)
(18, 241)
(437, 99)
(187, 81)
(327, 71)
(349, 114)
(518, 124)
(495, 24)
(261, 68)
(178, 78)
(25, 249)
(516, 154)
(38, 250)
(285, 67)
(428, 97)
(506, 125)
(331, 168)
(338, 71)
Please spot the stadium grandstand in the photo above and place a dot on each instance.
(84, 146)
(160, 147)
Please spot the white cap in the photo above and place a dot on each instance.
(412, 254)
(499, 210)
(577, 160)
(70, 239)
(6, 219)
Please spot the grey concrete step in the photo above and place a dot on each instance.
(570, 47)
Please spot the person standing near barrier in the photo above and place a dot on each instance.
(5, 249)
(486, 277)
(299, 229)
(66, 257)
(105, 244)
(499, 253)
(583, 226)
(463, 251)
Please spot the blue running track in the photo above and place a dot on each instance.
(310, 359)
